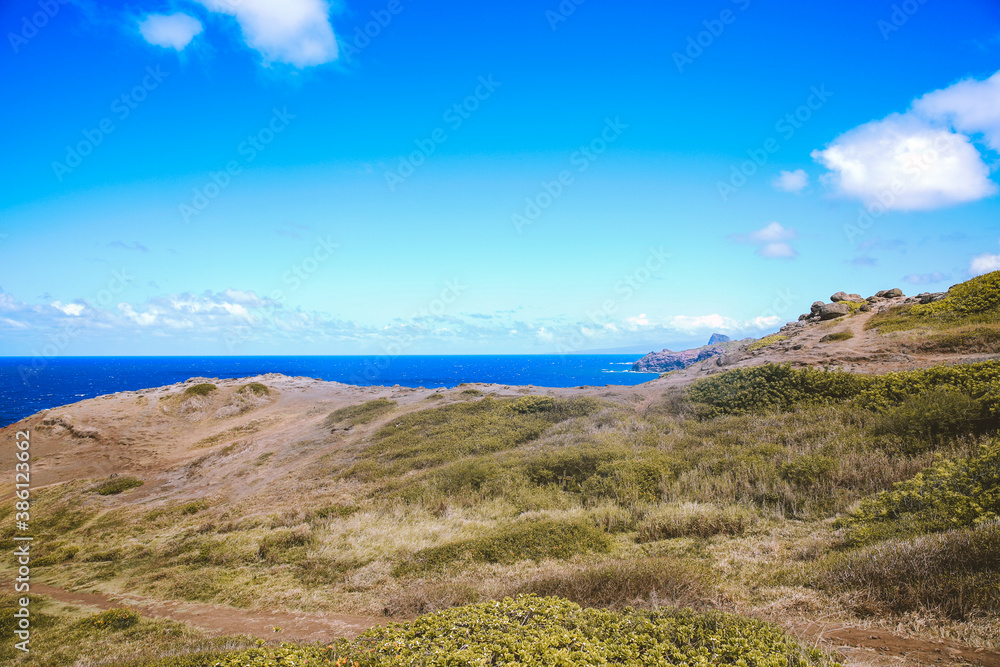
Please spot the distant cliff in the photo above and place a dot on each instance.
(667, 360)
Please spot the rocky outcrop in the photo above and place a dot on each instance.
(841, 305)
(668, 360)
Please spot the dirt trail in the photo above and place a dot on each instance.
(223, 620)
(856, 645)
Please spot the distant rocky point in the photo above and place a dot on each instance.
(668, 360)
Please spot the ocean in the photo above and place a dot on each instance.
(27, 387)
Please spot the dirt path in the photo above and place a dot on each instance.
(223, 620)
(856, 645)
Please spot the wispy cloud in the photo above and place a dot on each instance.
(791, 181)
(925, 278)
(296, 32)
(772, 241)
(173, 31)
(134, 245)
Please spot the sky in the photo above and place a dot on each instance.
(202, 177)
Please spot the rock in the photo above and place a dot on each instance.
(662, 362)
(865, 308)
(718, 338)
(816, 307)
(832, 311)
(928, 297)
(857, 298)
(838, 297)
(894, 293)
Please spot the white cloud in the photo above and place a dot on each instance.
(72, 309)
(906, 163)
(791, 181)
(985, 263)
(297, 32)
(924, 158)
(970, 106)
(778, 251)
(173, 31)
(925, 278)
(772, 241)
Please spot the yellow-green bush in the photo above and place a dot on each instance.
(530, 630)
(203, 389)
(112, 619)
(975, 301)
(766, 341)
(116, 485)
(954, 493)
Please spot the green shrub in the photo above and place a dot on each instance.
(772, 386)
(550, 631)
(766, 341)
(954, 493)
(112, 619)
(115, 485)
(193, 507)
(836, 337)
(255, 388)
(365, 413)
(203, 389)
(929, 418)
(693, 520)
(807, 470)
(956, 573)
(530, 541)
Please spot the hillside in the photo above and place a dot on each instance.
(755, 484)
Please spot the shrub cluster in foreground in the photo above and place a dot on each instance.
(550, 631)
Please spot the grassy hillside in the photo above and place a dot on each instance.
(779, 492)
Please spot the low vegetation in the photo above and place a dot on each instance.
(766, 341)
(837, 337)
(355, 415)
(202, 389)
(115, 485)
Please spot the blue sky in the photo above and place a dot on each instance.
(262, 177)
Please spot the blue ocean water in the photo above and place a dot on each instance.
(26, 388)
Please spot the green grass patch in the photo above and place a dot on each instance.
(432, 437)
(203, 389)
(116, 485)
(530, 541)
(766, 341)
(837, 337)
(255, 388)
(365, 413)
